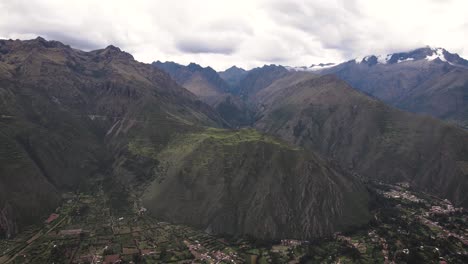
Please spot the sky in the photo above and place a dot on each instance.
(250, 33)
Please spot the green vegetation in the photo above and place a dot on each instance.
(137, 147)
(186, 143)
(401, 232)
(235, 137)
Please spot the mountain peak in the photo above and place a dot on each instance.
(40, 39)
(234, 69)
(194, 65)
(114, 52)
(270, 67)
(427, 53)
(113, 48)
(42, 42)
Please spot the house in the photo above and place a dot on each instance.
(71, 232)
(51, 218)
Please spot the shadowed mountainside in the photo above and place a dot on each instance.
(259, 78)
(233, 76)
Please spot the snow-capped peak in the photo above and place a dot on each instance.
(427, 53)
(313, 67)
(437, 53)
(374, 59)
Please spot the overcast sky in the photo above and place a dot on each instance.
(249, 33)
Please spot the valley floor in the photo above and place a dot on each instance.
(407, 227)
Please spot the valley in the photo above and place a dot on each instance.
(222, 132)
(406, 227)
(164, 163)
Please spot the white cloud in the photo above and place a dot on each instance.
(247, 33)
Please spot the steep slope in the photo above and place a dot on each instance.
(235, 103)
(259, 78)
(233, 76)
(445, 98)
(365, 135)
(426, 80)
(56, 106)
(210, 88)
(270, 91)
(242, 182)
(203, 82)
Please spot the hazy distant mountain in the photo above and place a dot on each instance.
(365, 135)
(203, 82)
(313, 67)
(210, 88)
(426, 80)
(259, 78)
(233, 76)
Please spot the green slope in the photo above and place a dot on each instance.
(246, 183)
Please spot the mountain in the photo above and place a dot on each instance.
(71, 119)
(325, 114)
(259, 78)
(232, 103)
(246, 183)
(210, 88)
(203, 82)
(427, 80)
(66, 115)
(233, 76)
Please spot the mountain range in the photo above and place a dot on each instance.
(71, 118)
(427, 80)
(270, 152)
(211, 89)
(345, 125)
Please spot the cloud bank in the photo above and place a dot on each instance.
(246, 33)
